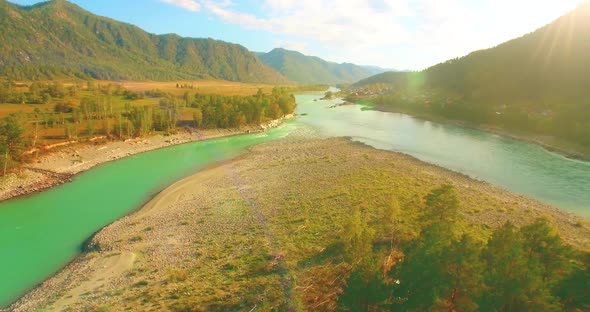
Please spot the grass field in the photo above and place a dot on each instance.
(219, 87)
(265, 231)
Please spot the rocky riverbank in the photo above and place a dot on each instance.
(61, 163)
(548, 143)
(262, 231)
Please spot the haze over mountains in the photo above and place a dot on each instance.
(553, 59)
(547, 60)
(301, 68)
(537, 83)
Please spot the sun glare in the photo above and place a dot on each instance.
(368, 155)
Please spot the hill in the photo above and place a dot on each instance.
(375, 70)
(57, 38)
(389, 78)
(535, 84)
(301, 68)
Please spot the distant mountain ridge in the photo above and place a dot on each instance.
(58, 38)
(389, 77)
(306, 69)
(375, 70)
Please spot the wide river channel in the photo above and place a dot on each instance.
(41, 233)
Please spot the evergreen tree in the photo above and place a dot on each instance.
(390, 219)
(574, 289)
(442, 205)
(462, 270)
(439, 272)
(357, 238)
(364, 290)
(11, 138)
(512, 283)
(546, 252)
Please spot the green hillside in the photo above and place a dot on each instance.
(534, 84)
(375, 70)
(301, 68)
(57, 38)
(389, 78)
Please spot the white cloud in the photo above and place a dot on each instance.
(347, 23)
(460, 27)
(189, 5)
(370, 31)
(360, 31)
(291, 45)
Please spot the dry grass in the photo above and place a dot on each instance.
(6, 109)
(219, 87)
(209, 86)
(55, 134)
(264, 231)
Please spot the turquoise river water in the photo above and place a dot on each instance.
(40, 233)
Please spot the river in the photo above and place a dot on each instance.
(42, 232)
(514, 165)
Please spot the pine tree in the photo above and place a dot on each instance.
(574, 290)
(439, 272)
(442, 205)
(364, 290)
(546, 251)
(12, 140)
(512, 283)
(390, 218)
(357, 238)
(462, 271)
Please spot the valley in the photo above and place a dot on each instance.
(146, 166)
(299, 154)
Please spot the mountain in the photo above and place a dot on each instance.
(58, 38)
(537, 83)
(375, 70)
(301, 68)
(389, 77)
(545, 61)
(550, 63)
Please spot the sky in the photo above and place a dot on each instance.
(395, 34)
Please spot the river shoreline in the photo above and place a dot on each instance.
(572, 154)
(161, 240)
(59, 166)
(177, 225)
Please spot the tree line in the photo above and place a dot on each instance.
(564, 119)
(447, 268)
(38, 93)
(217, 111)
(107, 110)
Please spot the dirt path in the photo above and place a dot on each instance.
(103, 271)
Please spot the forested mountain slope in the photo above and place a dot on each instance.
(537, 83)
(57, 38)
(301, 68)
